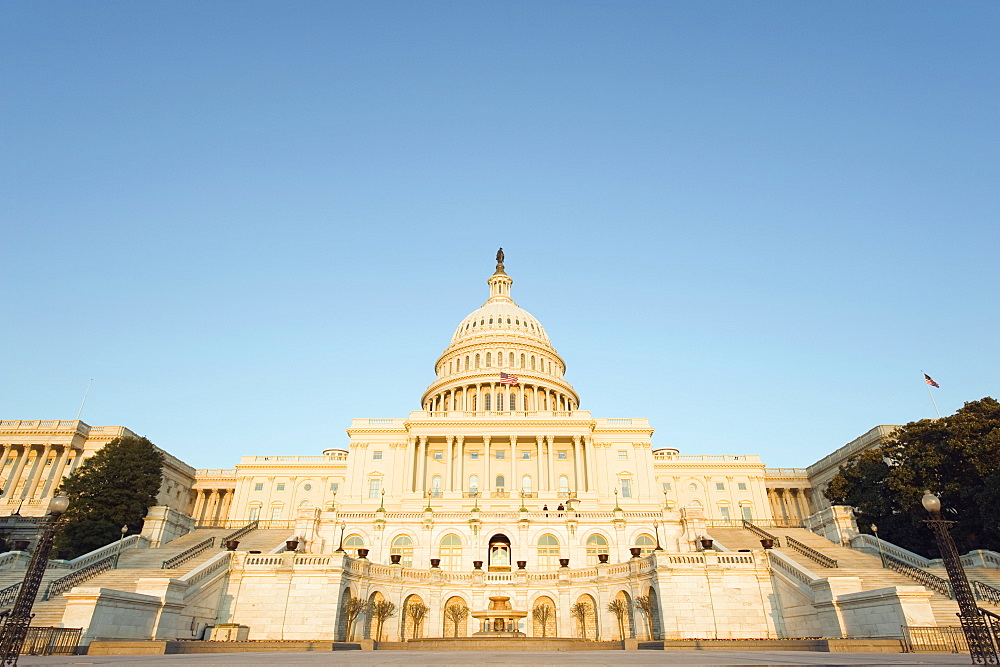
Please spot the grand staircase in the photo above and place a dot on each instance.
(136, 564)
(853, 563)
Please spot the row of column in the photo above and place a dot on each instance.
(790, 504)
(528, 398)
(542, 466)
(40, 475)
(212, 505)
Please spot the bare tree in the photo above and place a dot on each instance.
(580, 611)
(416, 611)
(644, 604)
(456, 613)
(381, 610)
(352, 608)
(619, 608)
(542, 613)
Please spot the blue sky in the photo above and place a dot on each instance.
(249, 222)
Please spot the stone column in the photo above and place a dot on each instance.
(588, 448)
(577, 451)
(15, 474)
(488, 482)
(515, 482)
(548, 459)
(539, 481)
(448, 485)
(36, 472)
(408, 459)
(461, 462)
(422, 484)
(57, 471)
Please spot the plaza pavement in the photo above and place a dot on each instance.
(478, 659)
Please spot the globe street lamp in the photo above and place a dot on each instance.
(343, 526)
(15, 628)
(118, 553)
(656, 527)
(977, 634)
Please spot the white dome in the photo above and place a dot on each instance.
(504, 317)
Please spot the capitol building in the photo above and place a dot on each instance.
(499, 496)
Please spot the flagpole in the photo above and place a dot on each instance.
(931, 394)
(85, 394)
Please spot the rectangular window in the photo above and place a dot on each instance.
(747, 514)
(374, 486)
(334, 486)
(622, 455)
(438, 456)
(275, 513)
(474, 456)
(667, 486)
(526, 456)
(259, 486)
(254, 513)
(280, 487)
(719, 486)
(626, 488)
(561, 455)
(376, 456)
(742, 486)
(724, 512)
(500, 454)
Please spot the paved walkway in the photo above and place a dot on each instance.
(617, 658)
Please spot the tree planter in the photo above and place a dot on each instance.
(362, 553)
(767, 543)
(395, 558)
(231, 545)
(477, 564)
(602, 558)
(635, 551)
(435, 562)
(564, 562)
(291, 545)
(521, 564)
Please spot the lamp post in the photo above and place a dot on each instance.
(656, 528)
(977, 633)
(15, 628)
(118, 554)
(881, 554)
(343, 527)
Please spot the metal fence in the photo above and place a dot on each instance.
(51, 641)
(948, 639)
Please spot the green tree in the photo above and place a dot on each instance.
(114, 487)
(957, 457)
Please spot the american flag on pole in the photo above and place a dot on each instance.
(507, 378)
(929, 380)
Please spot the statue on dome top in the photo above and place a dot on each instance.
(500, 257)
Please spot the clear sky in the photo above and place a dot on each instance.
(755, 223)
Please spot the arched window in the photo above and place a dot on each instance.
(304, 503)
(532, 362)
(487, 398)
(563, 484)
(477, 361)
(526, 483)
(451, 552)
(501, 482)
(646, 543)
(511, 359)
(548, 552)
(353, 543)
(436, 486)
(513, 401)
(522, 361)
(403, 546)
(500, 358)
(488, 357)
(466, 362)
(596, 544)
(473, 483)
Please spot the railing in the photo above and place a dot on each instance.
(949, 639)
(790, 568)
(262, 524)
(500, 494)
(759, 532)
(51, 641)
(810, 553)
(9, 594)
(63, 584)
(470, 494)
(928, 580)
(899, 553)
(188, 554)
(984, 592)
(113, 549)
(207, 571)
(10, 558)
(249, 528)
